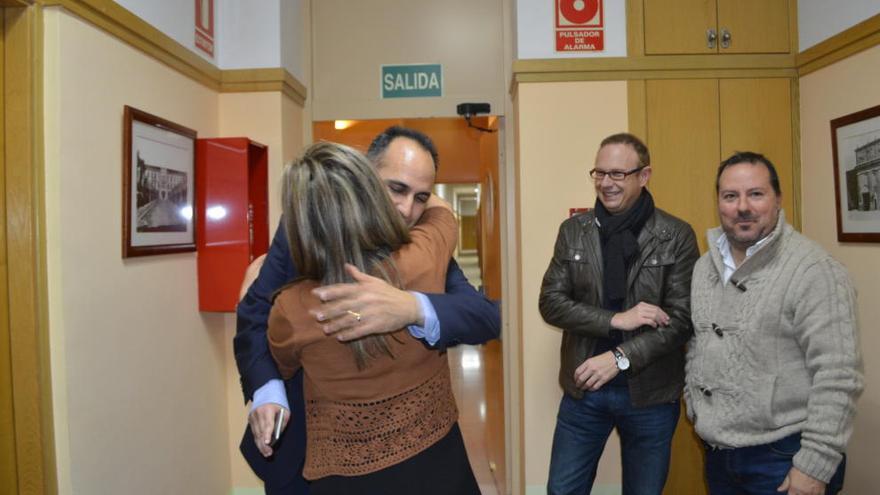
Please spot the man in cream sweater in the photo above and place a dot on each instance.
(773, 370)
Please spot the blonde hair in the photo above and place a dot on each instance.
(337, 211)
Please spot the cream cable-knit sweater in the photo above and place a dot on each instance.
(775, 350)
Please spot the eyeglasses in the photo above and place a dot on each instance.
(598, 175)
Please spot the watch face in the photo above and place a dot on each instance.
(622, 361)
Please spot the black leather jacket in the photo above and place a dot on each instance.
(571, 299)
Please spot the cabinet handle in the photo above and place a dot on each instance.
(725, 38)
(711, 37)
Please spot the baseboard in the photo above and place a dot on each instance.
(246, 491)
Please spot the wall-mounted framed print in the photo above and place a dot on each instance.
(855, 144)
(158, 186)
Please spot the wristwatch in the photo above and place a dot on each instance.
(622, 360)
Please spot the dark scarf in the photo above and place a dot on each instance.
(618, 234)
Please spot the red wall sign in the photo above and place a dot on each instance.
(205, 26)
(580, 25)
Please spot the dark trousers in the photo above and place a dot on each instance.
(583, 427)
(297, 486)
(441, 469)
(758, 470)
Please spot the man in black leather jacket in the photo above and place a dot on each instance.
(619, 287)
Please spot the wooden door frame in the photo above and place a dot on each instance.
(8, 467)
(26, 248)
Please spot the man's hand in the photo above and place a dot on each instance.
(368, 306)
(262, 421)
(639, 315)
(799, 483)
(250, 274)
(596, 371)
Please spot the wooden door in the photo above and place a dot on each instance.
(756, 116)
(684, 141)
(678, 26)
(8, 473)
(692, 124)
(755, 26)
(683, 137)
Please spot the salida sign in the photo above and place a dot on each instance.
(580, 25)
(412, 81)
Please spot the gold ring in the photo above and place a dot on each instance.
(357, 316)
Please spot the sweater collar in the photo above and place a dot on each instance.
(727, 255)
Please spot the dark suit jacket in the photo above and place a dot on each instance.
(465, 316)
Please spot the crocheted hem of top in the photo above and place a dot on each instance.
(357, 438)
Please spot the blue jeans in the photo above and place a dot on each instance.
(758, 470)
(583, 427)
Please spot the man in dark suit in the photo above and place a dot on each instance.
(406, 160)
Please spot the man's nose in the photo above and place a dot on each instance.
(404, 206)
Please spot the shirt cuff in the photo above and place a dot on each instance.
(272, 392)
(430, 333)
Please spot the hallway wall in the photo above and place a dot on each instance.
(834, 91)
(138, 372)
(353, 39)
(177, 20)
(146, 392)
(819, 20)
(247, 34)
(560, 126)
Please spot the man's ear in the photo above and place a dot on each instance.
(644, 175)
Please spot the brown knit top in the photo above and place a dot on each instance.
(362, 421)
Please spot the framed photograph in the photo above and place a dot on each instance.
(158, 186)
(855, 144)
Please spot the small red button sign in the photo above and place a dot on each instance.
(578, 12)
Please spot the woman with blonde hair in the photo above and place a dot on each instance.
(380, 414)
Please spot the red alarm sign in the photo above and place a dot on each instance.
(578, 13)
(580, 25)
(205, 26)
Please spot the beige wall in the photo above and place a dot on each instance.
(560, 127)
(837, 90)
(139, 374)
(353, 39)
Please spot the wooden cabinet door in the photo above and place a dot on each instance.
(756, 116)
(678, 26)
(692, 124)
(8, 471)
(683, 138)
(755, 26)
